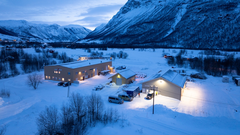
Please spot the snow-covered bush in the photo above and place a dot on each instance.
(3, 129)
(5, 93)
(122, 55)
(113, 55)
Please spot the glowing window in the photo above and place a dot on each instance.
(62, 79)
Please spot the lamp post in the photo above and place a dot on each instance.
(153, 98)
(68, 89)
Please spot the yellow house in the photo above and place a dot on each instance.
(124, 77)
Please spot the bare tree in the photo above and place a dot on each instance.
(67, 119)
(47, 121)
(34, 80)
(78, 107)
(3, 129)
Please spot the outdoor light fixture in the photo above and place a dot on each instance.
(160, 81)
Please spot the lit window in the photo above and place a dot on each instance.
(53, 77)
(69, 80)
(59, 72)
(79, 73)
(46, 77)
(62, 79)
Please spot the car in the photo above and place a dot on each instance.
(98, 87)
(60, 83)
(125, 97)
(66, 84)
(115, 99)
(149, 96)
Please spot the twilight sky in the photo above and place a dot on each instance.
(88, 13)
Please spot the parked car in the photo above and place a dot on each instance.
(125, 97)
(115, 99)
(121, 67)
(60, 83)
(98, 87)
(149, 96)
(66, 84)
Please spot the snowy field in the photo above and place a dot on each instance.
(207, 106)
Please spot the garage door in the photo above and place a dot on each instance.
(119, 81)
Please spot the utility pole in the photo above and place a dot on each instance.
(153, 98)
(68, 89)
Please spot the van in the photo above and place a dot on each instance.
(125, 97)
(115, 99)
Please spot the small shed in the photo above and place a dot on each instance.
(124, 77)
(132, 91)
(225, 79)
(237, 81)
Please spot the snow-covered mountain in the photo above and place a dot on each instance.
(182, 23)
(23, 30)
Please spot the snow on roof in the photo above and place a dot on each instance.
(155, 76)
(174, 77)
(85, 63)
(131, 88)
(127, 73)
(169, 75)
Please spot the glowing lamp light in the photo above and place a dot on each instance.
(160, 81)
(118, 76)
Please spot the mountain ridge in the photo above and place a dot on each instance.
(23, 30)
(179, 23)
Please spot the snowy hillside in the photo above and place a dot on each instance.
(183, 23)
(41, 32)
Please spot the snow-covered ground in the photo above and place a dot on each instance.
(207, 106)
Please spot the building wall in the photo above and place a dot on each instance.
(73, 74)
(124, 80)
(165, 88)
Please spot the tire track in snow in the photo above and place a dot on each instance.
(13, 109)
(157, 126)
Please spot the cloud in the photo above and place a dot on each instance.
(84, 11)
(98, 15)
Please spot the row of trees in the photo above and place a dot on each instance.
(75, 116)
(210, 64)
(28, 62)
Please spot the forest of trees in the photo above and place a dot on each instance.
(211, 65)
(11, 58)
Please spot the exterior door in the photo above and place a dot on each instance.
(95, 71)
(119, 81)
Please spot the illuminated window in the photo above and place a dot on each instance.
(46, 77)
(53, 77)
(79, 73)
(62, 79)
(69, 80)
(59, 72)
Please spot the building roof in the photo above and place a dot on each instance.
(127, 73)
(175, 78)
(170, 76)
(130, 88)
(79, 64)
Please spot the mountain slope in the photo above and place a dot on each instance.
(174, 23)
(41, 32)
